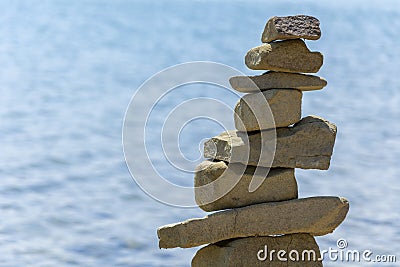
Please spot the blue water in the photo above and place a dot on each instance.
(68, 71)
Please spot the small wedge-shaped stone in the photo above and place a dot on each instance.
(316, 216)
(299, 250)
(286, 56)
(269, 109)
(306, 145)
(277, 80)
(291, 27)
(229, 185)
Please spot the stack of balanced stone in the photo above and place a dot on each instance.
(253, 224)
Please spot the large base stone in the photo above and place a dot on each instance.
(228, 186)
(297, 250)
(286, 56)
(316, 216)
(307, 145)
(269, 109)
(291, 27)
(277, 80)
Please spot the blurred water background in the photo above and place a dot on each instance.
(69, 69)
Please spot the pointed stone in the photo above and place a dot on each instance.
(228, 185)
(291, 27)
(316, 216)
(277, 80)
(299, 250)
(286, 56)
(269, 109)
(306, 145)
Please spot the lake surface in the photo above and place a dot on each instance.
(69, 69)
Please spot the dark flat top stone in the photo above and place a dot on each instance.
(291, 27)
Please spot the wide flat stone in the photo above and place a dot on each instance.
(269, 109)
(277, 80)
(291, 27)
(316, 216)
(286, 56)
(228, 185)
(299, 250)
(306, 145)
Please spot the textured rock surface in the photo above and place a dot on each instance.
(316, 216)
(253, 111)
(249, 251)
(307, 145)
(277, 80)
(286, 56)
(230, 185)
(291, 27)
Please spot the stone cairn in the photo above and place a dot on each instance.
(271, 217)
